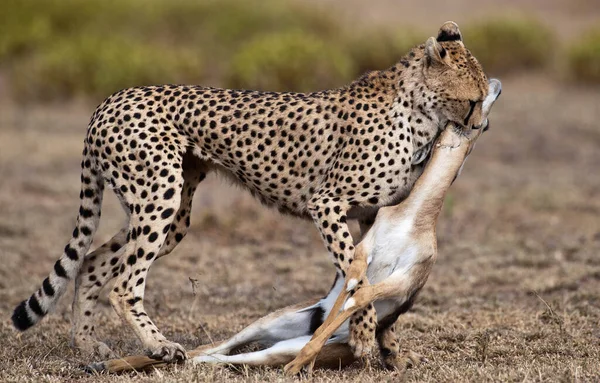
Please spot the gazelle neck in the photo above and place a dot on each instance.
(427, 196)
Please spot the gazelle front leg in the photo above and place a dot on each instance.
(367, 294)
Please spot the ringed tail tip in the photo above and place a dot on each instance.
(20, 317)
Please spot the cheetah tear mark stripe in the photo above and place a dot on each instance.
(32, 310)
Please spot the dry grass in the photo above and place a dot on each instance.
(515, 295)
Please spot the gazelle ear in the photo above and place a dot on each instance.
(449, 32)
(434, 52)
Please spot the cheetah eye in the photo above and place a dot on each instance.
(472, 104)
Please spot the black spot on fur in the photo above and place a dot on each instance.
(133, 301)
(169, 193)
(167, 213)
(85, 213)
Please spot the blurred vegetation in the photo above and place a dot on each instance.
(506, 45)
(98, 66)
(584, 58)
(289, 61)
(68, 48)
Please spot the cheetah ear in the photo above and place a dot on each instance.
(434, 52)
(449, 32)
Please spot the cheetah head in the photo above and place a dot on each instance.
(457, 79)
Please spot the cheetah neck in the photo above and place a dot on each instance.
(413, 109)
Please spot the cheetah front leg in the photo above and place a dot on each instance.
(330, 217)
(363, 324)
(392, 356)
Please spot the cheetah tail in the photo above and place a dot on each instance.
(32, 310)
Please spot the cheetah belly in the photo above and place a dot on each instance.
(268, 179)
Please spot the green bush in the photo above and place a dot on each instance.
(95, 66)
(584, 58)
(21, 29)
(379, 49)
(76, 47)
(508, 45)
(290, 61)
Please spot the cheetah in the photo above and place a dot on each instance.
(397, 231)
(329, 156)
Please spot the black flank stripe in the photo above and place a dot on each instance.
(316, 319)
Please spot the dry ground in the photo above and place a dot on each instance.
(515, 295)
(523, 220)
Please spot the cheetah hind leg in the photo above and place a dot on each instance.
(103, 264)
(98, 268)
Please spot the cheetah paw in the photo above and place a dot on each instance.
(362, 340)
(169, 352)
(414, 359)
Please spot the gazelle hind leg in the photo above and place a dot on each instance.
(284, 324)
(336, 354)
(278, 354)
(362, 298)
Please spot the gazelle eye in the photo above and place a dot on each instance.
(471, 109)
